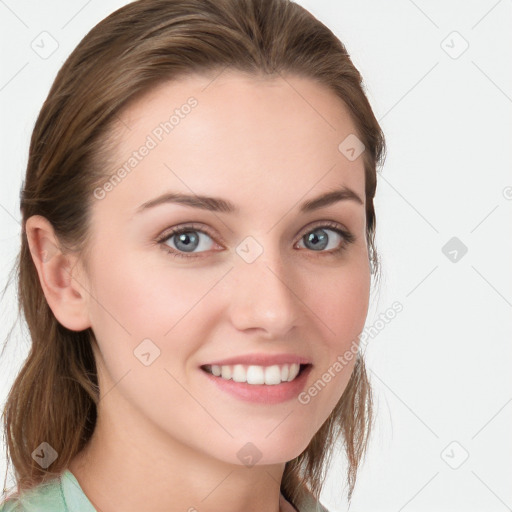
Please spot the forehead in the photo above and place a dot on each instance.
(237, 132)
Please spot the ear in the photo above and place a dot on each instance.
(58, 275)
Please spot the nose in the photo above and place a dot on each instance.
(265, 296)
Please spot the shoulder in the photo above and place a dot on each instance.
(46, 497)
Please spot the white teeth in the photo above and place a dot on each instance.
(226, 372)
(239, 374)
(272, 375)
(257, 375)
(294, 371)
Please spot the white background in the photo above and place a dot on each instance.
(441, 370)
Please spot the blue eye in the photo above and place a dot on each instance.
(186, 239)
(319, 239)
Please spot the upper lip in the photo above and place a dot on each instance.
(261, 360)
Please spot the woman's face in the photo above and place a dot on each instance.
(262, 280)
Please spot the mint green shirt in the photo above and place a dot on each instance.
(64, 494)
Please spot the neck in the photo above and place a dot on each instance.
(116, 473)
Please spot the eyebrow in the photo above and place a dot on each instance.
(216, 204)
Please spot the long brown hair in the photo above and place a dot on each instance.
(54, 397)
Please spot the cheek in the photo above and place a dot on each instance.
(141, 294)
(146, 321)
(340, 299)
(340, 302)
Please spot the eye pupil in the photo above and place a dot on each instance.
(184, 238)
(322, 239)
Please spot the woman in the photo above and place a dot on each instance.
(196, 261)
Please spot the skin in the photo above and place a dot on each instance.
(165, 440)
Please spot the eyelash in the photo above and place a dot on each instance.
(348, 237)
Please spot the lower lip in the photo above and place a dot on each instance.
(262, 393)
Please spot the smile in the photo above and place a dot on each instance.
(259, 384)
(256, 375)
